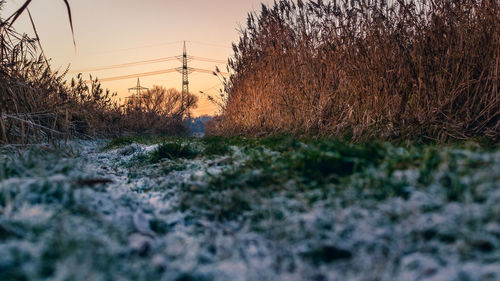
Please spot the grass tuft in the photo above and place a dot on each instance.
(173, 151)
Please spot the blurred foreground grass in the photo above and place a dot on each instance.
(277, 208)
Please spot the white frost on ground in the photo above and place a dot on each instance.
(134, 228)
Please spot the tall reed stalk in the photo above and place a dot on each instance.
(38, 105)
(400, 69)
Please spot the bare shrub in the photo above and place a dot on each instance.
(157, 111)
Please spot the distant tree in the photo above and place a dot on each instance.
(160, 101)
(191, 101)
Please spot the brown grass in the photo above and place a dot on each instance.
(38, 105)
(362, 69)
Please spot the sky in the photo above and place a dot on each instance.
(111, 32)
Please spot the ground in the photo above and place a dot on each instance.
(243, 209)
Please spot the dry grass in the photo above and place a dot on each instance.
(360, 69)
(38, 105)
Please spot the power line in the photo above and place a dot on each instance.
(208, 60)
(158, 72)
(210, 71)
(129, 64)
(144, 62)
(137, 75)
(211, 88)
(174, 79)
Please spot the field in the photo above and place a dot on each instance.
(355, 140)
(278, 208)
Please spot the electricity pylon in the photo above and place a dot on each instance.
(138, 92)
(185, 70)
(138, 89)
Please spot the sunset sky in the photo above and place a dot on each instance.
(111, 32)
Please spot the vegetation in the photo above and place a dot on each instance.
(157, 111)
(173, 151)
(37, 104)
(362, 69)
(325, 197)
(374, 170)
(277, 208)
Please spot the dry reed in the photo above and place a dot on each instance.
(362, 69)
(38, 105)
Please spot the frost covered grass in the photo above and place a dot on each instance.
(173, 150)
(249, 209)
(124, 141)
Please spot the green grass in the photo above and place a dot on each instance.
(173, 151)
(277, 142)
(215, 146)
(285, 190)
(271, 164)
(315, 169)
(124, 141)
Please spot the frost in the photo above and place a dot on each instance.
(220, 218)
